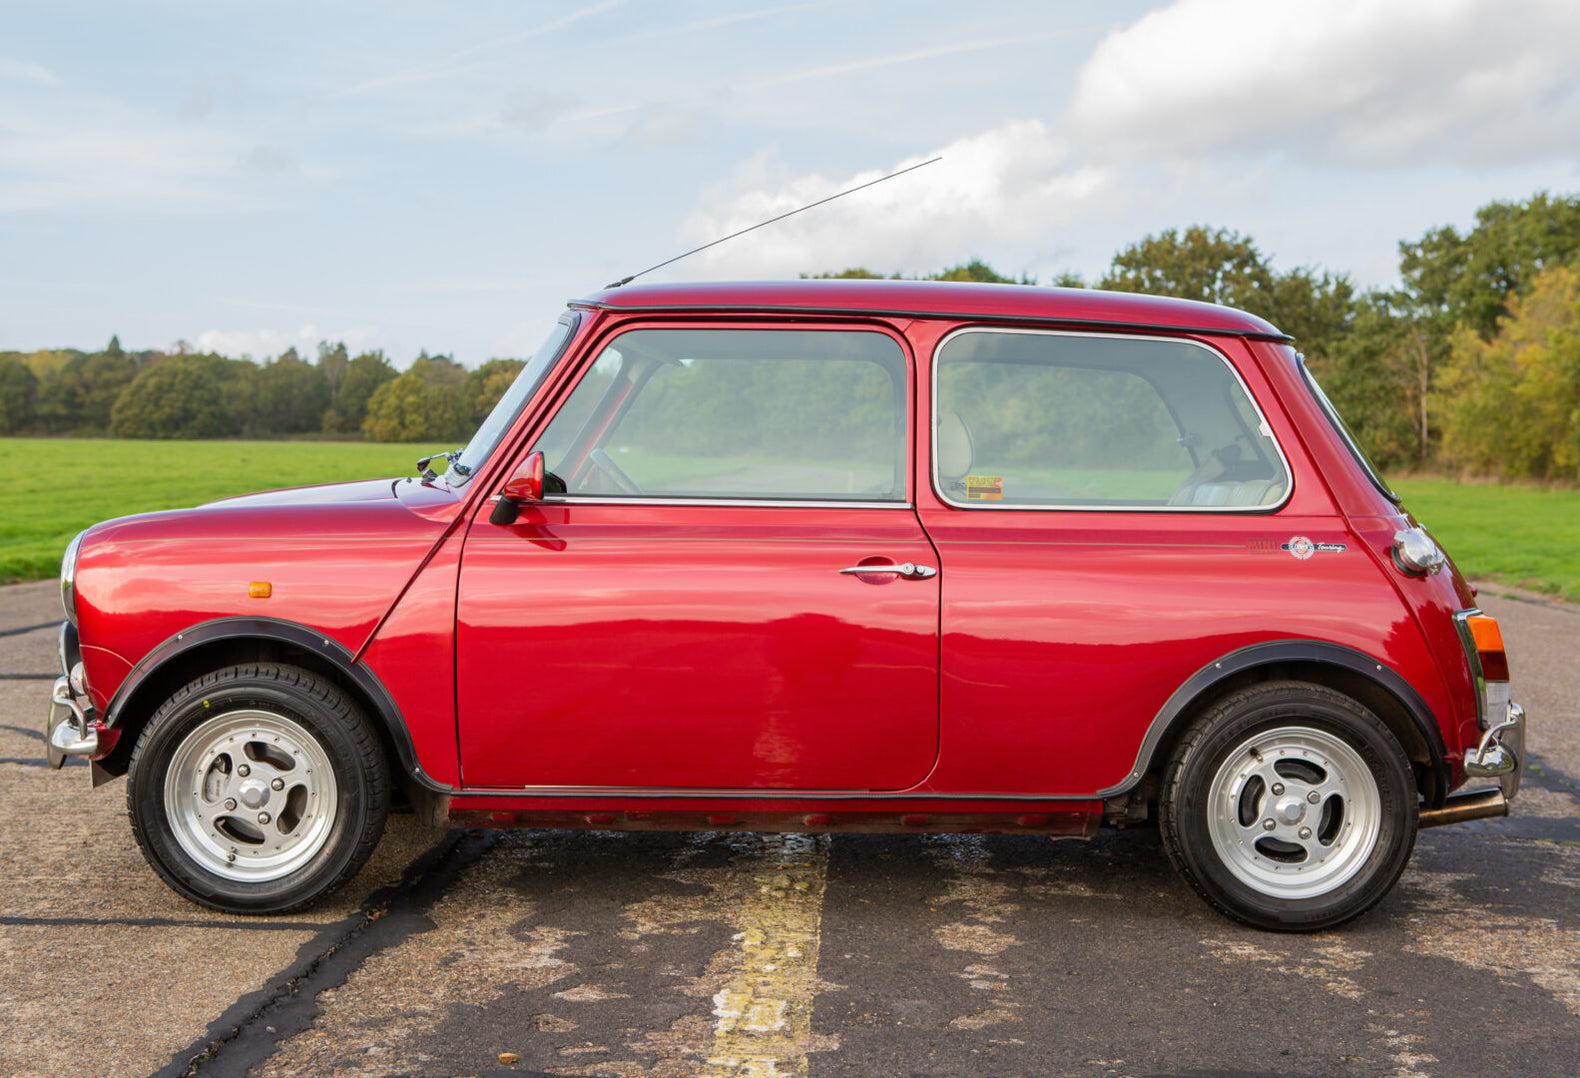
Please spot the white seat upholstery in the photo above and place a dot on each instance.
(1250, 492)
(954, 447)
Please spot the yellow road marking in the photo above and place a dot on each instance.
(763, 1014)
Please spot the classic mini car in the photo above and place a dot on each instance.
(824, 556)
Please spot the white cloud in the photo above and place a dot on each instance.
(1373, 82)
(26, 71)
(261, 343)
(1006, 189)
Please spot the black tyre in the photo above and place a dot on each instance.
(258, 789)
(1289, 806)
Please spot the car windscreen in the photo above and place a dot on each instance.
(509, 407)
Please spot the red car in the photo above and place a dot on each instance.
(826, 556)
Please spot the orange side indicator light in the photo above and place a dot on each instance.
(1489, 644)
(259, 589)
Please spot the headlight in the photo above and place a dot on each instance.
(68, 578)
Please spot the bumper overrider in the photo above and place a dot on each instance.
(70, 727)
(1500, 756)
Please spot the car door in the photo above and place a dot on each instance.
(1112, 513)
(678, 612)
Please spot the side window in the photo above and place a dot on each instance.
(736, 413)
(1056, 420)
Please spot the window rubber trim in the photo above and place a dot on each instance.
(932, 464)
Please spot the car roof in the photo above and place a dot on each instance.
(953, 300)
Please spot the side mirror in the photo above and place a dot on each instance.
(524, 486)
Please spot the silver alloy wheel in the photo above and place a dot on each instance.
(251, 796)
(1294, 812)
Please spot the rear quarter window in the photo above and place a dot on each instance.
(1033, 419)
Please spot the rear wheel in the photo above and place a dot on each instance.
(257, 789)
(1289, 806)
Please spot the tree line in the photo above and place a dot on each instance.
(1471, 364)
(185, 394)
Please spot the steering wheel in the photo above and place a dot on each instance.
(605, 464)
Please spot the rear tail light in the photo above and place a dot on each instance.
(1489, 664)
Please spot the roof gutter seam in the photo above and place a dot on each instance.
(962, 316)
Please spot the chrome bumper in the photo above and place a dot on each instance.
(72, 733)
(1501, 754)
(69, 726)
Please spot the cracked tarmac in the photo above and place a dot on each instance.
(598, 953)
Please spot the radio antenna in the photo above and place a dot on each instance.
(771, 220)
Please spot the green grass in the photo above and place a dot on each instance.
(1527, 536)
(1521, 535)
(57, 487)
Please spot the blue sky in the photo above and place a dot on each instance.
(247, 177)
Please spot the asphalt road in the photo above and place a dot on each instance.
(595, 953)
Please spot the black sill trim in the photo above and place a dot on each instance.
(645, 793)
(936, 315)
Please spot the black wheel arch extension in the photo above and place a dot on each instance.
(221, 642)
(1372, 683)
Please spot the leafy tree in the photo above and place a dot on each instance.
(1220, 266)
(18, 389)
(1512, 404)
(422, 405)
(487, 384)
(440, 370)
(79, 396)
(332, 363)
(290, 396)
(978, 271)
(1468, 280)
(1211, 265)
(854, 273)
(974, 270)
(180, 397)
(363, 375)
(1379, 376)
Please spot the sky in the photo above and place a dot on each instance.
(444, 177)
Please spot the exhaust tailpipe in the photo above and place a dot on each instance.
(1462, 807)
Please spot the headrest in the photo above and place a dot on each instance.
(954, 447)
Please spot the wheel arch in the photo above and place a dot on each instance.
(1379, 688)
(213, 645)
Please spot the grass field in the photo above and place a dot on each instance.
(1521, 535)
(1524, 536)
(57, 487)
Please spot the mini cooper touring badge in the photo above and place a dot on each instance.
(1302, 548)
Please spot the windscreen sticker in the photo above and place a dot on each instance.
(985, 488)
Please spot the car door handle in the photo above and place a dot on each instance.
(910, 570)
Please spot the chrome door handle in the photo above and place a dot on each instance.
(910, 570)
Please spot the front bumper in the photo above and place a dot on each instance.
(70, 727)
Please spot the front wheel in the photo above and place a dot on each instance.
(257, 789)
(1289, 806)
